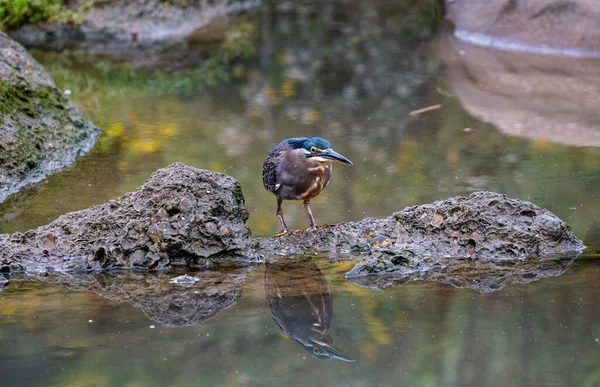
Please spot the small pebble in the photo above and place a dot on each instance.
(184, 280)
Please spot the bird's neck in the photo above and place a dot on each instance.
(318, 167)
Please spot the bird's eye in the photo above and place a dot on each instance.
(313, 149)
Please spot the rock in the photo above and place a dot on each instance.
(164, 302)
(483, 225)
(40, 130)
(527, 95)
(552, 26)
(186, 216)
(184, 280)
(143, 33)
(180, 216)
(481, 275)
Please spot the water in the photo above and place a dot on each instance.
(354, 86)
(422, 333)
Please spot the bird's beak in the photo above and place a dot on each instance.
(332, 351)
(330, 154)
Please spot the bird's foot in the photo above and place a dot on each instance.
(283, 232)
(325, 226)
(311, 228)
(298, 231)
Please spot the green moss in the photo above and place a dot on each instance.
(15, 13)
(27, 100)
(17, 101)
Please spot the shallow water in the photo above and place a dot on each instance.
(356, 88)
(544, 333)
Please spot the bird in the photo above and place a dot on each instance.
(299, 168)
(301, 305)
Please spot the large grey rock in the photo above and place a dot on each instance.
(571, 26)
(180, 216)
(483, 225)
(40, 130)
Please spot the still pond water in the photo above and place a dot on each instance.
(246, 327)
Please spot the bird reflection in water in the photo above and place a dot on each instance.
(302, 306)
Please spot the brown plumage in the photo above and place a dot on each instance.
(299, 169)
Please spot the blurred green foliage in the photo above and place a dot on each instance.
(228, 63)
(239, 45)
(15, 13)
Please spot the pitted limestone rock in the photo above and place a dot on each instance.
(186, 216)
(180, 216)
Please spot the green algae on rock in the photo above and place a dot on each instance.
(40, 130)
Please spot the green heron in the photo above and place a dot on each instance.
(302, 305)
(299, 169)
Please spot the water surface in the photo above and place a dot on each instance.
(354, 85)
(544, 333)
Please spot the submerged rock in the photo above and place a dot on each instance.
(164, 302)
(180, 216)
(186, 216)
(40, 130)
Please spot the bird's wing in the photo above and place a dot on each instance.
(269, 173)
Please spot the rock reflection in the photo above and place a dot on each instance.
(302, 306)
(482, 275)
(527, 95)
(166, 303)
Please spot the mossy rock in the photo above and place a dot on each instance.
(40, 130)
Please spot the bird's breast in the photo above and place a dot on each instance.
(319, 178)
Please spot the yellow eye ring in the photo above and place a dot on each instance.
(313, 149)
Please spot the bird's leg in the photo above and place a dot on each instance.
(313, 224)
(284, 227)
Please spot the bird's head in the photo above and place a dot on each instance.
(324, 351)
(317, 149)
